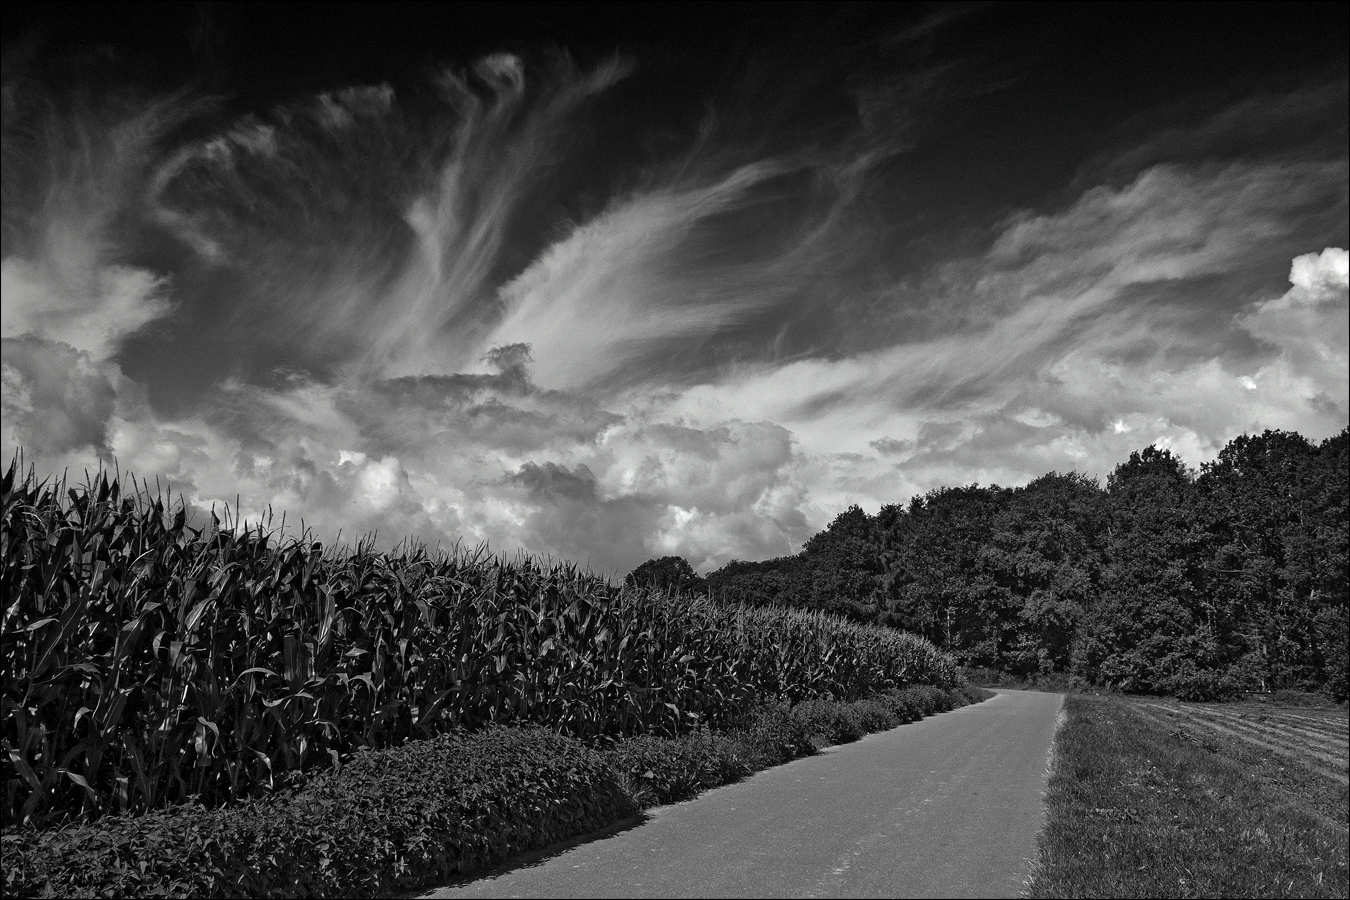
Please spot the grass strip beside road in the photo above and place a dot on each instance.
(1136, 809)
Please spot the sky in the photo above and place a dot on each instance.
(604, 287)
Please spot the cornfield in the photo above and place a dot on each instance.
(147, 662)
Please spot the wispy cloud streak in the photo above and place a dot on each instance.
(394, 314)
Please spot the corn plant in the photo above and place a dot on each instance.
(148, 662)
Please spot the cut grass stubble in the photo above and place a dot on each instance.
(1134, 809)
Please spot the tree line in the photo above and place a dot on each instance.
(1166, 580)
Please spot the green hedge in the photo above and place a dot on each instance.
(422, 812)
(428, 811)
(657, 770)
(829, 723)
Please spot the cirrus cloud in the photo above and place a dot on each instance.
(379, 315)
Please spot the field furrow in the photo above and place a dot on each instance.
(1332, 718)
(1278, 725)
(1332, 726)
(1330, 732)
(1334, 723)
(1316, 763)
(1316, 742)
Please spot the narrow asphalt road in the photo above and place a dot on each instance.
(946, 807)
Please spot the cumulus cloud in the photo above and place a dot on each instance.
(92, 309)
(1123, 319)
(1309, 328)
(56, 400)
(369, 314)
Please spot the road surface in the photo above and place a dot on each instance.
(946, 807)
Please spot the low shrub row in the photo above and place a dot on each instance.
(425, 811)
(430, 810)
(656, 770)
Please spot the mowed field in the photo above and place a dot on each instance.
(1304, 750)
(1318, 739)
(1156, 798)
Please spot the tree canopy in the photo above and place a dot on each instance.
(669, 573)
(1201, 583)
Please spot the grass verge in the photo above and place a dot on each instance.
(1135, 809)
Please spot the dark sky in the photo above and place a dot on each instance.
(611, 281)
(1077, 71)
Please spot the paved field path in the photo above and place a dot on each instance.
(946, 807)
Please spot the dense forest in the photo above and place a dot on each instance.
(1199, 584)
